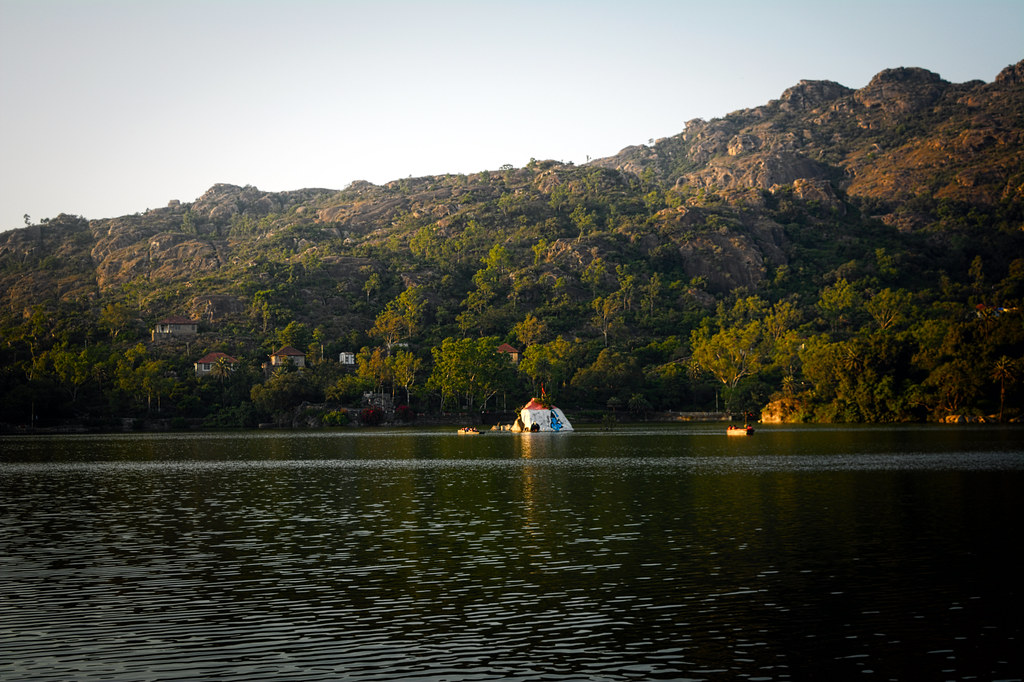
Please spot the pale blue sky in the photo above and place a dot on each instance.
(110, 107)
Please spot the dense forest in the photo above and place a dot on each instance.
(835, 255)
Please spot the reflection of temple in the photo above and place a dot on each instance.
(539, 475)
(526, 447)
(529, 476)
(544, 445)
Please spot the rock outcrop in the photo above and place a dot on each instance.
(894, 139)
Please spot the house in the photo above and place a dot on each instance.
(513, 354)
(175, 326)
(205, 364)
(347, 358)
(288, 356)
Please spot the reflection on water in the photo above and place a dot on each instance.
(640, 554)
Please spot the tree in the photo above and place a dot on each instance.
(865, 378)
(188, 223)
(282, 392)
(583, 221)
(348, 388)
(115, 317)
(470, 368)
(221, 370)
(263, 307)
(296, 335)
(135, 290)
(141, 376)
(551, 364)
(372, 366)
(639, 405)
(745, 309)
(611, 374)
(155, 383)
(731, 354)
(388, 327)
(955, 384)
(507, 203)
(539, 249)
(372, 285)
(477, 302)
(594, 275)
(653, 200)
(530, 331)
(977, 274)
(627, 286)
(1004, 371)
(491, 282)
(498, 260)
(404, 368)
(888, 308)
(400, 319)
(73, 369)
(650, 295)
(316, 346)
(606, 314)
(782, 342)
(783, 317)
(559, 198)
(520, 286)
(837, 304)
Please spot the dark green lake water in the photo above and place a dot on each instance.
(662, 553)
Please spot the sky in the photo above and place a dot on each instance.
(113, 107)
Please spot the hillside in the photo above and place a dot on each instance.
(830, 223)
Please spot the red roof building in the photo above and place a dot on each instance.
(288, 356)
(513, 354)
(205, 364)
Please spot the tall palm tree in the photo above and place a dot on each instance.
(638, 404)
(1004, 371)
(221, 369)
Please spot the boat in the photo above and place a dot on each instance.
(744, 430)
(468, 431)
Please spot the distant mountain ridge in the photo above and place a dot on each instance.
(907, 135)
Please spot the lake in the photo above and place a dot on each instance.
(669, 552)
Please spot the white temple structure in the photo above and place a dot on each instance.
(536, 417)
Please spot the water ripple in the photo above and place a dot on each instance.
(946, 461)
(567, 567)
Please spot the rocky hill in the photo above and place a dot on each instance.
(907, 134)
(898, 147)
(910, 182)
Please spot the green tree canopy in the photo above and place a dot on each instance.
(469, 371)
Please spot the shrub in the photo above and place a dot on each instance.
(371, 416)
(336, 418)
